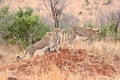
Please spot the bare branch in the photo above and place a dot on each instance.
(56, 7)
(47, 8)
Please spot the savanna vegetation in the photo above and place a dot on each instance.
(23, 27)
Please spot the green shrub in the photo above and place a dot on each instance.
(5, 19)
(4, 16)
(4, 11)
(25, 28)
(112, 28)
(108, 30)
(104, 31)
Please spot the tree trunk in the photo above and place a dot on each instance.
(56, 23)
(116, 27)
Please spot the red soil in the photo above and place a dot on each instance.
(75, 61)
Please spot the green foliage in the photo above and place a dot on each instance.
(104, 31)
(5, 18)
(108, 30)
(25, 28)
(4, 11)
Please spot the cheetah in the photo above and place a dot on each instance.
(53, 41)
(89, 33)
(50, 42)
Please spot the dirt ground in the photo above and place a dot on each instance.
(68, 61)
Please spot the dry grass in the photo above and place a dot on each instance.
(8, 54)
(110, 50)
(56, 74)
(105, 48)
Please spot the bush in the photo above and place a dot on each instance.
(5, 20)
(4, 11)
(25, 28)
(104, 31)
(4, 16)
(108, 30)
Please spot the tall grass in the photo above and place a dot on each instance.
(110, 50)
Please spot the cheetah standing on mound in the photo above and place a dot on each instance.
(50, 42)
